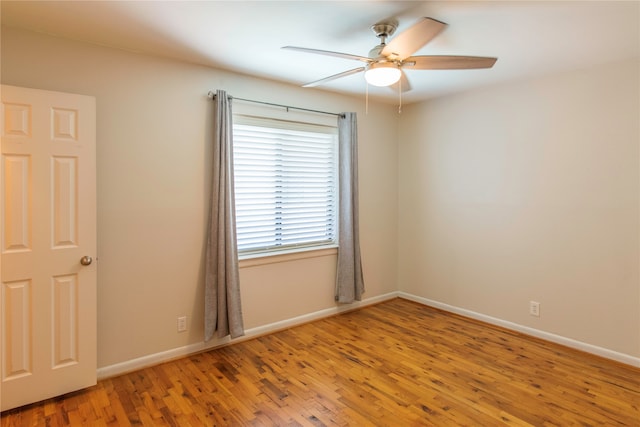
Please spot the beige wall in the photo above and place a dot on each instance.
(528, 191)
(483, 200)
(153, 130)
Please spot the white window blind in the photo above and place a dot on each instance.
(285, 184)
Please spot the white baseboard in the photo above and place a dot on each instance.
(164, 356)
(568, 342)
(176, 353)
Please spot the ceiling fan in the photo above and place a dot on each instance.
(385, 63)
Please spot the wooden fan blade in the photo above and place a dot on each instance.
(402, 84)
(329, 53)
(335, 76)
(413, 38)
(448, 62)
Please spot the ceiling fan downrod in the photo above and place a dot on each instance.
(382, 31)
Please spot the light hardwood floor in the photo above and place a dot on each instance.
(397, 363)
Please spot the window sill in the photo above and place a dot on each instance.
(286, 256)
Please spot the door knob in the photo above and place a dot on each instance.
(86, 260)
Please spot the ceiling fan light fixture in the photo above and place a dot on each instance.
(382, 74)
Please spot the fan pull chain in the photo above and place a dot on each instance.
(366, 97)
(400, 96)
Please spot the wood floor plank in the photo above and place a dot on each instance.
(395, 363)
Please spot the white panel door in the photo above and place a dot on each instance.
(48, 224)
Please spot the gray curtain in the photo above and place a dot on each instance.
(222, 310)
(349, 280)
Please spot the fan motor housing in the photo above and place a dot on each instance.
(376, 52)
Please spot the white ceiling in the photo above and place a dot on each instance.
(529, 37)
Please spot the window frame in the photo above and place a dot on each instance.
(304, 125)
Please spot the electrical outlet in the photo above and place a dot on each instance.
(182, 323)
(534, 308)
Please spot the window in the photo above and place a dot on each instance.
(285, 184)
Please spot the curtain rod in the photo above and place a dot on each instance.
(212, 95)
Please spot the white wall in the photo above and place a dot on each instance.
(528, 191)
(154, 127)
